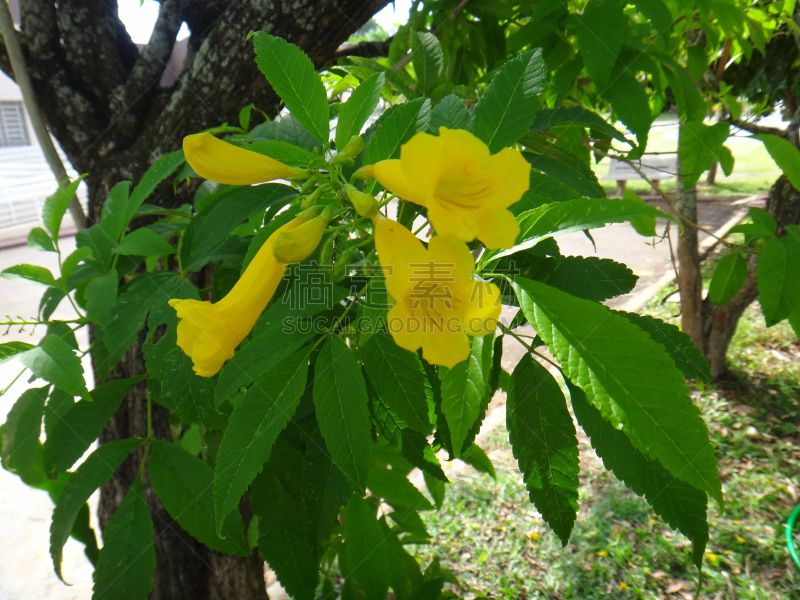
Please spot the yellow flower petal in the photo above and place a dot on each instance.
(390, 174)
(297, 244)
(451, 222)
(446, 348)
(513, 176)
(483, 309)
(210, 332)
(496, 228)
(222, 162)
(405, 327)
(391, 237)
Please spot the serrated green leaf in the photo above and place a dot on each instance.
(572, 215)
(396, 129)
(682, 506)
(99, 242)
(463, 392)
(601, 33)
(11, 349)
(144, 242)
(728, 279)
(57, 204)
(566, 168)
(785, 155)
(506, 110)
(21, 431)
(33, 273)
(38, 238)
(285, 152)
(417, 451)
(409, 521)
(325, 491)
(293, 76)
(282, 541)
(72, 261)
(155, 174)
(396, 375)
(367, 554)
(75, 429)
(292, 132)
(101, 294)
(128, 557)
(396, 489)
(592, 278)
(263, 413)
(630, 378)
(96, 470)
(475, 457)
(657, 12)
(687, 357)
(630, 102)
(56, 362)
(224, 216)
(778, 282)
(426, 56)
(340, 398)
(358, 108)
(436, 488)
(699, 146)
(450, 113)
(183, 483)
(542, 437)
(547, 118)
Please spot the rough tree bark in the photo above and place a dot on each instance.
(102, 101)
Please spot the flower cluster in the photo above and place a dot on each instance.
(437, 299)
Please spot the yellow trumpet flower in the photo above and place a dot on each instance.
(210, 332)
(297, 244)
(466, 190)
(437, 300)
(219, 161)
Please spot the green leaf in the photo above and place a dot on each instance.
(728, 279)
(128, 557)
(293, 76)
(463, 392)
(785, 155)
(263, 413)
(507, 108)
(183, 483)
(657, 12)
(566, 168)
(396, 129)
(450, 113)
(340, 398)
(290, 131)
(700, 146)
(573, 215)
(99, 242)
(630, 378)
(629, 100)
(592, 278)
(358, 108)
(542, 437)
(426, 56)
(778, 282)
(397, 376)
(417, 451)
(75, 429)
(38, 238)
(282, 539)
(144, 242)
(215, 224)
(367, 554)
(477, 459)
(285, 152)
(21, 431)
(32, 273)
(96, 470)
(325, 491)
(547, 118)
(72, 261)
(687, 357)
(115, 209)
(393, 486)
(56, 362)
(601, 32)
(682, 506)
(155, 174)
(57, 204)
(436, 488)
(11, 349)
(101, 294)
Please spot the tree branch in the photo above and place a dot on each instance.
(376, 49)
(757, 129)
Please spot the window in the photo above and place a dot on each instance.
(13, 129)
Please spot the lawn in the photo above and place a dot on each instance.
(492, 537)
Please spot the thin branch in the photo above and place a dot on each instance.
(757, 129)
(29, 97)
(377, 49)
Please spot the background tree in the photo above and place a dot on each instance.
(104, 102)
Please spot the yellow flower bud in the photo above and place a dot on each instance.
(365, 205)
(297, 244)
(354, 146)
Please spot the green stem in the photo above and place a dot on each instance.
(527, 346)
(13, 381)
(421, 227)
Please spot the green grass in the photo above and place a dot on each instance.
(491, 536)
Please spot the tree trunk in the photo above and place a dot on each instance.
(719, 322)
(103, 101)
(690, 281)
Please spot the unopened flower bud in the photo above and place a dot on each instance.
(297, 244)
(365, 205)
(354, 146)
(314, 197)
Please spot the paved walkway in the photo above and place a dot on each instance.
(25, 569)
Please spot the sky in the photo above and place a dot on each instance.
(139, 18)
